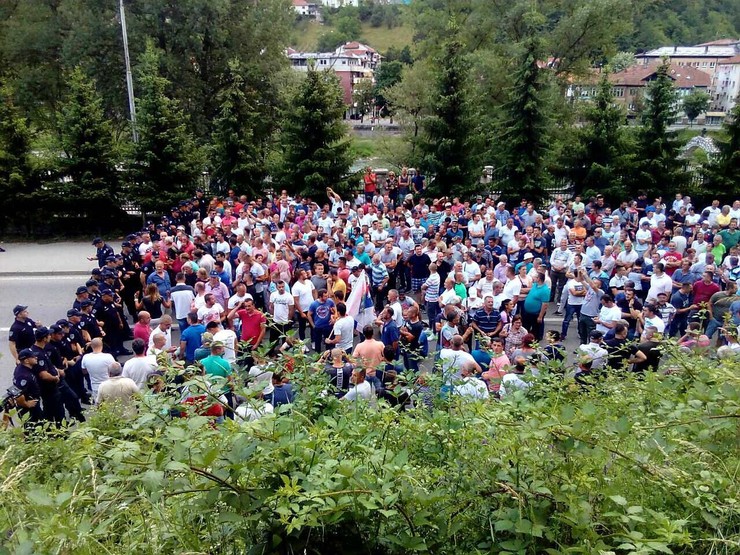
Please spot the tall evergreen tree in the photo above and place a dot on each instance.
(602, 158)
(723, 175)
(314, 138)
(19, 181)
(447, 148)
(166, 162)
(527, 127)
(660, 172)
(239, 151)
(90, 158)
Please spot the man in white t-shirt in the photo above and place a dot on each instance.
(660, 282)
(182, 296)
(227, 337)
(212, 311)
(304, 293)
(343, 332)
(609, 314)
(454, 358)
(96, 364)
(467, 386)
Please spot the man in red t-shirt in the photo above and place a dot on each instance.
(671, 259)
(253, 322)
(704, 289)
(370, 181)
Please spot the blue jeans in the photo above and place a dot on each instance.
(433, 310)
(570, 311)
(183, 323)
(713, 326)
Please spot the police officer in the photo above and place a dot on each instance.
(129, 277)
(63, 358)
(103, 251)
(78, 339)
(107, 311)
(48, 377)
(81, 294)
(21, 331)
(111, 281)
(93, 290)
(28, 402)
(89, 322)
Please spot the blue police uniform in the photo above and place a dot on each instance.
(25, 380)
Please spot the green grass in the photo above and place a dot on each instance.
(306, 36)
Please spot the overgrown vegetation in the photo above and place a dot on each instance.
(632, 465)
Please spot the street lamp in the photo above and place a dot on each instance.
(129, 79)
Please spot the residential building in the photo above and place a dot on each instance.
(352, 65)
(726, 85)
(704, 57)
(306, 8)
(630, 85)
(340, 3)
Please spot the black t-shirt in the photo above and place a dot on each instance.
(419, 266)
(43, 364)
(623, 305)
(620, 350)
(416, 329)
(22, 334)
(651, 349)
(340, 380)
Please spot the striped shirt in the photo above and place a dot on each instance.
(379, 273)
(432, 291)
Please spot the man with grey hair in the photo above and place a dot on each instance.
(117, 389)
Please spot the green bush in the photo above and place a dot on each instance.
(632, 466)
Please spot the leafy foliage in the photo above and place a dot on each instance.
(635, 466)
(166, 161)
(314, 136)
(695, 104)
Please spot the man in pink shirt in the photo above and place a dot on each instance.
(141, 328)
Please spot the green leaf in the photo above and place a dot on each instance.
(619, 500)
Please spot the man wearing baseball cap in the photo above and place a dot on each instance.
(29, 401)
(103, 251)
(48, 376)
(107, 312)
(21, 331)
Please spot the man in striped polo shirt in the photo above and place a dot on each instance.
(379, 278)
(430, 289)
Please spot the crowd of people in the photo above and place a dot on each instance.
(370, 283)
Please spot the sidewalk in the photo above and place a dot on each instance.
(27, 259)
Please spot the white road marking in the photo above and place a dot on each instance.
(43, 278)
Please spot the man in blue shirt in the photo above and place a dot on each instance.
(535, 307)
(191, 338)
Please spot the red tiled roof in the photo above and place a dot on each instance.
(734, 60)
(639, 75)
(300, 3)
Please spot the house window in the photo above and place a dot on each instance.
(633, 91)
(631, 107)
(704, 64)
(711, 64)
(619, 92)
